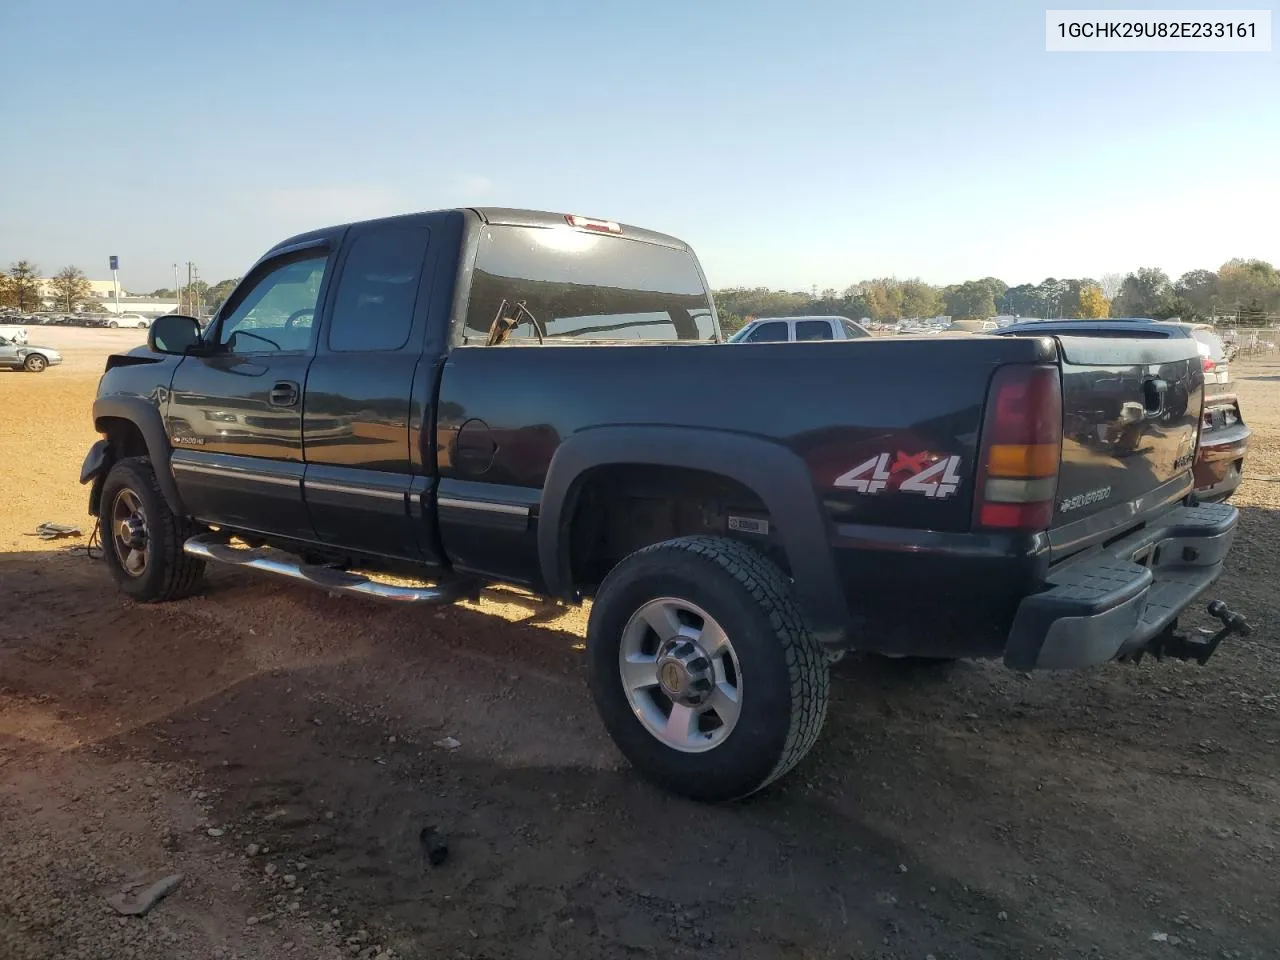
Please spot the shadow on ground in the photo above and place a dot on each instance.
(962, 811)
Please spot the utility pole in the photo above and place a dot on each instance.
(190, 299)
(177, 291)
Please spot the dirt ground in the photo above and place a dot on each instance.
(278, 748)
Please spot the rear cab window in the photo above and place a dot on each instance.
(540, 284)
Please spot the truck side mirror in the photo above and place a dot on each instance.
(173, 333)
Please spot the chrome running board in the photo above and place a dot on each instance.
(216, 549)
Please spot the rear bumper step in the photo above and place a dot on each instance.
(1109, 606)
(216, 549)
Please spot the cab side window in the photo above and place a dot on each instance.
(775, 331)
(278, 313)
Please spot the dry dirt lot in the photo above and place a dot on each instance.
(277, 748)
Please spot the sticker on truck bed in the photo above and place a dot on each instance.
(931, 474)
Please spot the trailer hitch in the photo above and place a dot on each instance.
(1181, 647)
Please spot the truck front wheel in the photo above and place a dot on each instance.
(142, 538)
(702, 669)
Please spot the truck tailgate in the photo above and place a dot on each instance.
(1131, 415)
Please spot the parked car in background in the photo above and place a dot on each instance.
(20, 356)
(799, 330)
(915, 327)
(1224, 439)
(129, 320)
(1224, 436)
(972, 326)
(1213, 353)
(14, 334)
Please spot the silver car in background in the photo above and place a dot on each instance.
(21, 356)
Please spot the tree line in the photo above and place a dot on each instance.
(69, 290)
(1247, 291)
(197, 292)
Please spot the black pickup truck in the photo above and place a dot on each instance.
(482, 396)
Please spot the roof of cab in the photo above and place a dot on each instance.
(498, 216)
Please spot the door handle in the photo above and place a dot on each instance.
(284, 393)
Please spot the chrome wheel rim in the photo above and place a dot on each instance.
(680, 674)
(129, 534)
(35, 364)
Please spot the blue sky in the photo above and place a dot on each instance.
(792, 144)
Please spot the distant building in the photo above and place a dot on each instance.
(99, 288)
(104, 300)
(146, 306)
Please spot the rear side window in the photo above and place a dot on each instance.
(814, 330)
(564, 283)
(775, 331)
(852, 330)
(373, 307)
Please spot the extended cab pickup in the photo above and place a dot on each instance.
(799, 330)
(499, 396)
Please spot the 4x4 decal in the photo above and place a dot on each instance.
(931, 474)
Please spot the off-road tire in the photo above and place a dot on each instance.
(170, 574)
(784, 670)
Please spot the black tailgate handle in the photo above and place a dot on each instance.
(1154, 391)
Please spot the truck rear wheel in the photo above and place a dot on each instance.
(702, 669)
(142, 538)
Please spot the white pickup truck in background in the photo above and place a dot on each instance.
(799, 329)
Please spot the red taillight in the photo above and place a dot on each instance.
(589, 223)
(1016, 516)
(1021, 448)
(1208, 363)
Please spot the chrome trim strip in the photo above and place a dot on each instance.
(485, 506)
(328, 487)
(231, 472)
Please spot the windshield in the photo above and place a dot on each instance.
(588, 287)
